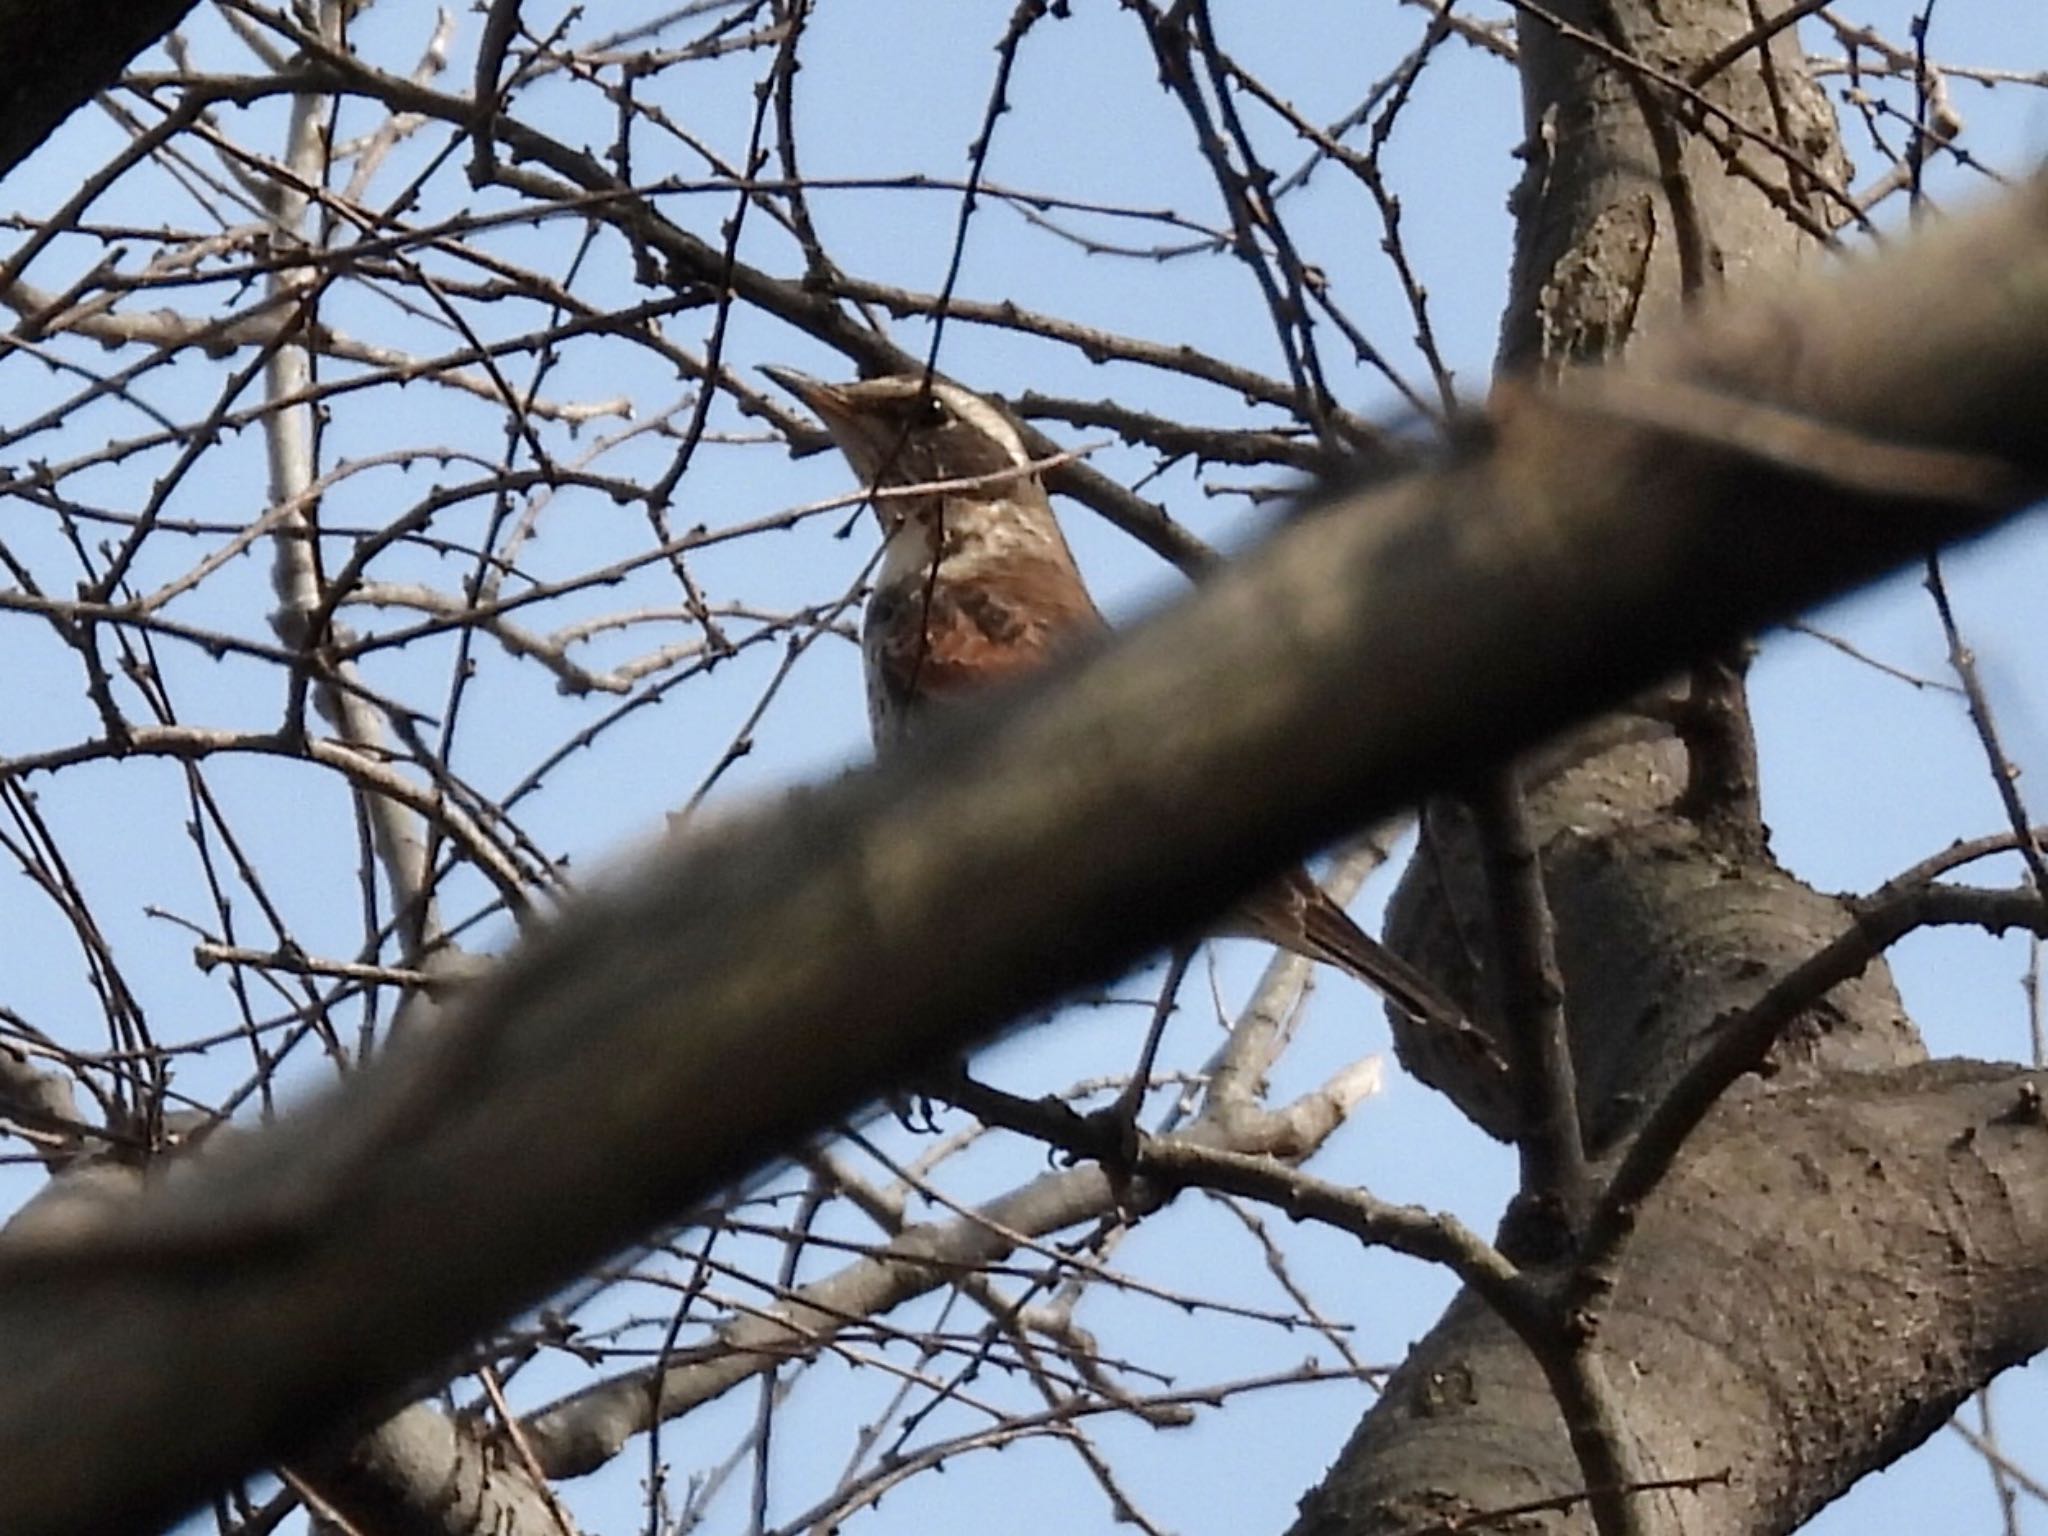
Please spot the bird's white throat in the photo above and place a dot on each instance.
(979, 534)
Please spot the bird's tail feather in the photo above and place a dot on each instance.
(1332, 937)
(1299, 915)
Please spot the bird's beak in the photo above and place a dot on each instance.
(853, 428)
(825, 399)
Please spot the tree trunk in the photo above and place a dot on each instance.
(1827, 1269)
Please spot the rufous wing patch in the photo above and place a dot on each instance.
(942, 641)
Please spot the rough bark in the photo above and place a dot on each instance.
(1900, 1267)
(423, 1473)
(1804, 1300)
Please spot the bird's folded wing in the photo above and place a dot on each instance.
(942, 641)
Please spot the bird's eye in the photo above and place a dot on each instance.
(931, 411)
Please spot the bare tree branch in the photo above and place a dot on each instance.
(771, 973)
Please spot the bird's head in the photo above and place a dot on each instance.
(907, 430)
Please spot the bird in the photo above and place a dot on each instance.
(977, 586)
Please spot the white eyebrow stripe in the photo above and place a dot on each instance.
(986, 419)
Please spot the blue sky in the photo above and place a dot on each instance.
(1863, 773)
